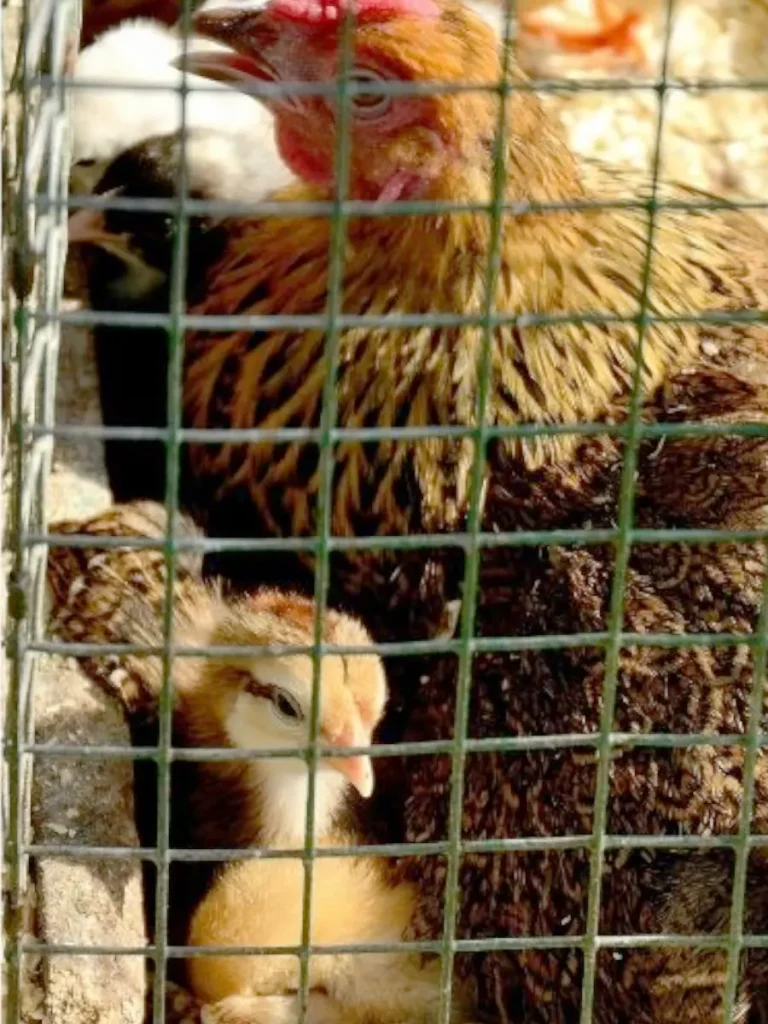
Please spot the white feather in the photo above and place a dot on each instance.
(236, 166)
(107, 120)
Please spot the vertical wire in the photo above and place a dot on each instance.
(326, 471)
(623, 552)
(741, 858)
(55, 258)
(40, 338)
(474, 522)
(49, 255)
(177, 305)
(18, 595)
(27, 590)
(5, 823)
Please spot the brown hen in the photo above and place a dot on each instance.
(551, 262)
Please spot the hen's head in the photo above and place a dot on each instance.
(402, 146)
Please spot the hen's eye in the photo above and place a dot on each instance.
(287, 707)
(367, 104)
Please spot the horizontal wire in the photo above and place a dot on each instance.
(394, 321)
(405, 648)
(486, 945)
(256, 435)
(412, 748)
(526, 844)
(376, 208)
(394, 87)
(407, 542)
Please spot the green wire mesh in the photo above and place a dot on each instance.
(37, 205)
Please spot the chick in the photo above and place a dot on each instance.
(551, 263)
(265, 703)
(251, 703)
(128, 257)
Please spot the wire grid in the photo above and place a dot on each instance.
(37, 431)
(38, 37)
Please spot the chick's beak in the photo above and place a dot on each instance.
(88, 226)
(357, 769)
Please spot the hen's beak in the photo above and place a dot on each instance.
(250, 32)
(357, 769)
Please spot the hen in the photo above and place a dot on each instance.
(552, 263)
(561, 374)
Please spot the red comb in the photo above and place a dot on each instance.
(330, 12)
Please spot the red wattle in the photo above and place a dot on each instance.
(401, 185)
(303, 161)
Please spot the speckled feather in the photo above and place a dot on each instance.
(115, 595)
(695, 791)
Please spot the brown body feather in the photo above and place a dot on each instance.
(113, 595)
(697, 790)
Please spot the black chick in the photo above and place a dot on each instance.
(128, 256)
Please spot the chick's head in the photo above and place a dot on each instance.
(129, 252)
(265, 701)
(402, 146)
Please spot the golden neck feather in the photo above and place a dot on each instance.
(553, 263)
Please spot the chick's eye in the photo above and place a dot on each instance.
(369, 105)
(287, 707)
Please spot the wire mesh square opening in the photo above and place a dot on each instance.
(403, 654)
